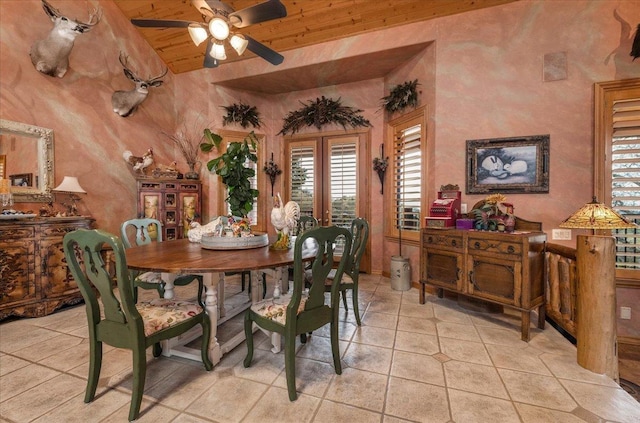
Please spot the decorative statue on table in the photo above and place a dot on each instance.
(284, 219)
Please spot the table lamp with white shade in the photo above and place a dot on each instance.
(596, 292)
(71, 186)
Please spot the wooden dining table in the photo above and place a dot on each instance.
(177, 257)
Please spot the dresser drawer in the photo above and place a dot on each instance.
(17, 232)
(59, 230)
(443, 240)
(493, 245)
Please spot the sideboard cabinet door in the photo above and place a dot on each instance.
(17, 267)
(34, 278)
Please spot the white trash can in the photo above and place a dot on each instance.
(400, 273)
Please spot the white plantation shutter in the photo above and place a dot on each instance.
(625, 179)
(407, 176)
(343, 171)
(302, 178)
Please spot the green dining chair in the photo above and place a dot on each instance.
(124, 323)
(305, 223)
(141, 232)
(302, 311)
(360, 234)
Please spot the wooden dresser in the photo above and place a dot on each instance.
(497, 267)
(34, 279)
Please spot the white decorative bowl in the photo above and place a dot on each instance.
(211, 242)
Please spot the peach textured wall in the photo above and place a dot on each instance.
(481, 77)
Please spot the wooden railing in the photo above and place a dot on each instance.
(562, 283)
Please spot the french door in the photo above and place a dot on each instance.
(327, 176)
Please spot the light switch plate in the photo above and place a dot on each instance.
(625, 313)
(561, 234)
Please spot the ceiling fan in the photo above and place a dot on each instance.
(219, 19)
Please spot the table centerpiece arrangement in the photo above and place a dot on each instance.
(494, 215)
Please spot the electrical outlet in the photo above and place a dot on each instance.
(463, 208)
(561, 234)
(625, 313)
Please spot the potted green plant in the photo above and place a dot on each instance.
(231, 167)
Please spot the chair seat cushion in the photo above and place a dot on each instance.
(275, 310)
(150, 277)
(332, 274)
(161, 313)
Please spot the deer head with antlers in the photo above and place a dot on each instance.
(51, 55)
(126, 102)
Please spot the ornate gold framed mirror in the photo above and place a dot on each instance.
(28, 160)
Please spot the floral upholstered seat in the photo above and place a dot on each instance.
(276, 312)
(161, 313)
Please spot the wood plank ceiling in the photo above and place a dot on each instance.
(308, 22)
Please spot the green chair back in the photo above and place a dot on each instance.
(121, 324)
(305, 223)
(360, 234)
(142, 233)
(314, 313)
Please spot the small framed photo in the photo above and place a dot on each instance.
(22, 180)
(517, 165)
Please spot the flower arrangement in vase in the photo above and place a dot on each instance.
(495, 214)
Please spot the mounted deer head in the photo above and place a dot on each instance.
(126, 102)
(51, 55)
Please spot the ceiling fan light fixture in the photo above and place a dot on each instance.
(239, 43)
(219, 29)
(197, 33)
(218, 52)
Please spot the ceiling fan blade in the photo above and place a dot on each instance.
(161, 23)
(263, 51)
(209, 61)
(215, 4)
(271, 9)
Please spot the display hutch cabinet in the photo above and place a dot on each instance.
(500, 268)
(174, 202)
(34, 278)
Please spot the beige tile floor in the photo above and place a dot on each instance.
(408, 362)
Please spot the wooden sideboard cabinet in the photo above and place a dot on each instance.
(34, 278)
(501, 268)
(174, 202)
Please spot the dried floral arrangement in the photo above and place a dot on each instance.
(320, 112)
(188, 138)
(401, 96)
(243, 114)
(380, 164)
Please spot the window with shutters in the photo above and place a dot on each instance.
(324, 174)
(617, 172)
(407, 166)
(324, 177)
(303, 181)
